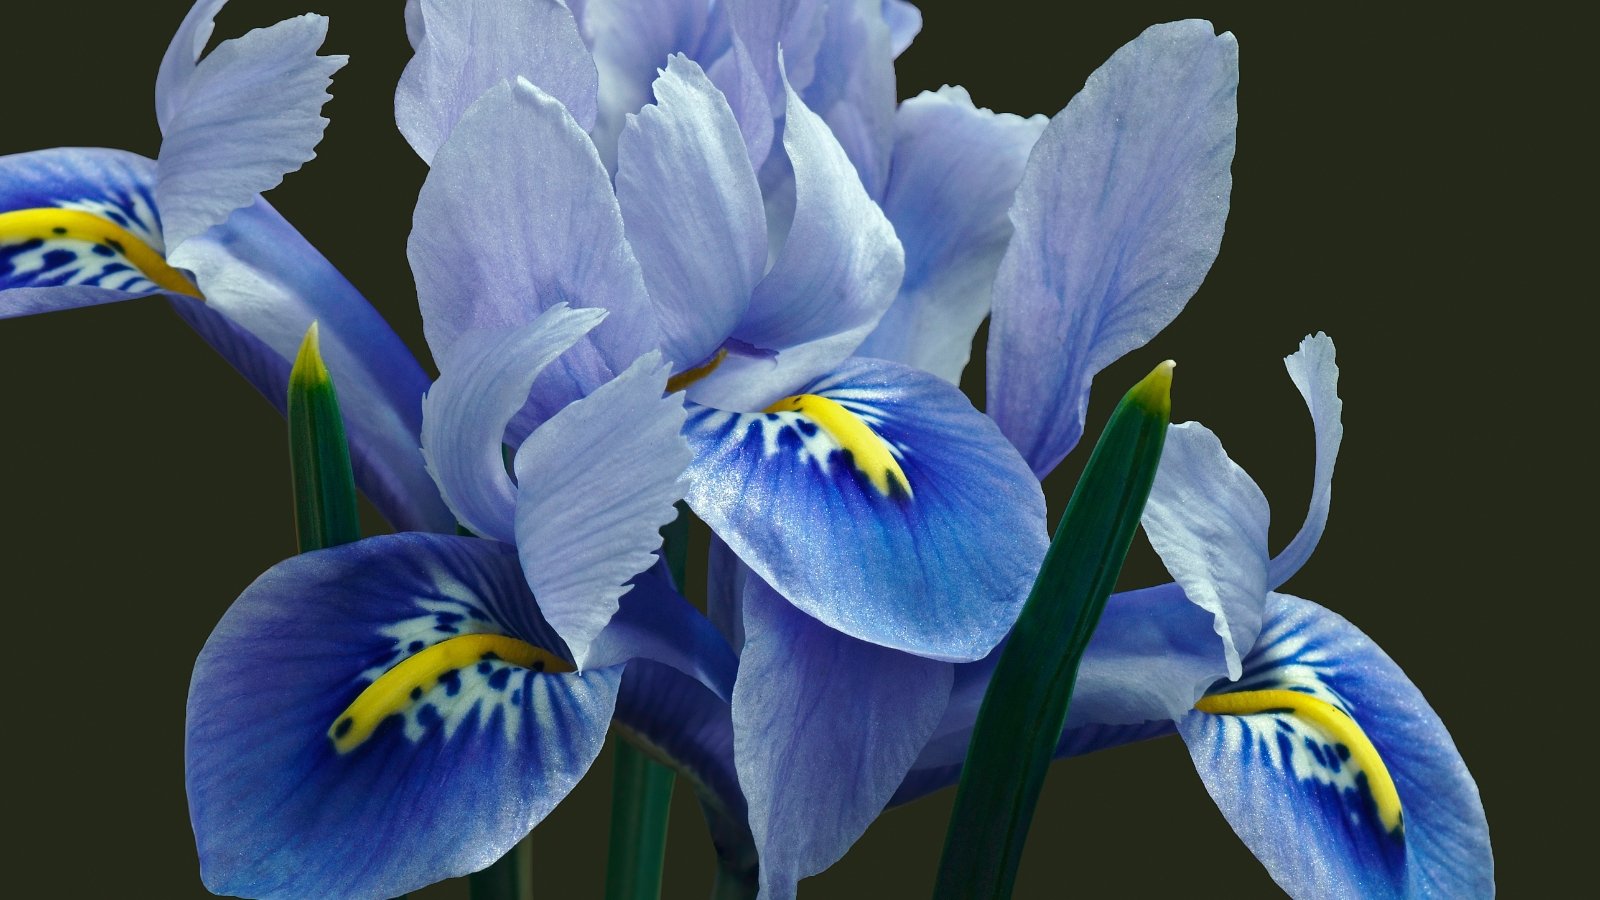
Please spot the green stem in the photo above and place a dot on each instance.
(641, 796)
(1025, 707)
(509, 878)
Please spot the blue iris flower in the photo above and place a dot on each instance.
(372, 718)
(1319, 751)
(80, 227)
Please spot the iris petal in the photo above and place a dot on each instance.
(825, 728)
(630, 39)
(1316, 376)
(250, 113)
(466, 411)
(465, 47)
(1118, 218)
(445, 785)
(956, 169)
(595, 483)
(685, 186)
(516, 216)
(1300, 793)
(939, 571)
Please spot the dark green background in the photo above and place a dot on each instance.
(1392, 185)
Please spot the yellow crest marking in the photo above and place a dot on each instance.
(871, 453)
(689, 376)
(50, 223)
(416, 675)
(1333, 722)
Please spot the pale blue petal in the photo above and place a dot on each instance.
(941, 572)
(794, 29)
(693, 211)
(1290, 789)
(653, 621)
(1316, 375)
(440, 789)
(465, 413)
(853, 90)
(905, 21)
(825, 729)
(955, 171)
(1118, 218)
(595, 484)
(183, 51)
(829, 284)
(735, 74)
(631, 40)
(1208, 521)
(516, 216)
(262, 275)
(465, 47)
(250, 113)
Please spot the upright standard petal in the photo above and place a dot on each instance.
(1333, 769)
(955, 171)
(825, 728)
(853, 90)
(905, 21)
(1316, 375)
(516, 216)
(465, 413)
(795, 28)
(376, 717)
(830, 284)
(879, 502)
(693, 211)
(1208, 521)
(465, 47)
(631, 40)
(250, 113)
(595, 484)
(183, 51)
(1118, 218)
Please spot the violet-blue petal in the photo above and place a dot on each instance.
(517, 215)
(1316, 375)
(938, 566)
(654, 621)
(263, 276)
(42, 273)
(1208, 522)
(725, 576)
(1302, 799)
(734, 73)
(466, 47)
(441, 788)
(250, 113)
(1118, 218)
(265, 285)
(465, 413)
(956, 168)
(829, 285)
(825, 728)
(693, 211)
(595, 484)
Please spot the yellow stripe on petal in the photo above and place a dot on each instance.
(1331, 721)
(55, 224)
(870, 453)
(412, 678)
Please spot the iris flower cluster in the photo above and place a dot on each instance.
(680, 250)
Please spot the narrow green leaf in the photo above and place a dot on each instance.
(1025, 707)
(319, 459)
(508, 878)
(641, 796)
